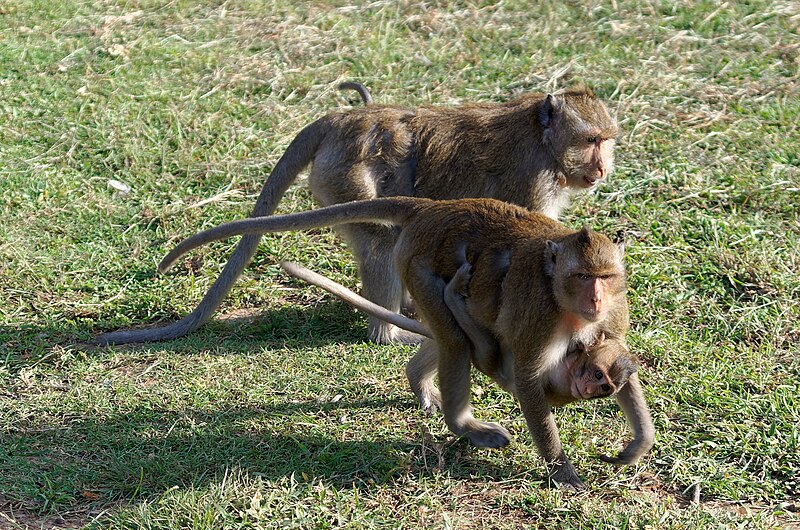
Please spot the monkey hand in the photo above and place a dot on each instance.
(563, 475)
(635, 449)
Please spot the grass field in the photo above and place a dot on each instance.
(278, 413)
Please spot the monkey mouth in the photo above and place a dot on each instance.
(592, 316)
(591, 181)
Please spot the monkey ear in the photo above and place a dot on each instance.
(585, 235)
(549, 110)
(551, 252)
(619, 239)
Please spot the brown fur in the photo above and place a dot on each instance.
(609, 358)
(534, 323)
(532, 151)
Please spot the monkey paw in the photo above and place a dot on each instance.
(620, 460)
(430, 402)
(564, 476)
(392, 335)
(407, 337)
(491, 435)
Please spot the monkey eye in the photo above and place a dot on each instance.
(592, 139)
(605, 388)
(598, 375)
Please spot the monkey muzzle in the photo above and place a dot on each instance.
(593, 181)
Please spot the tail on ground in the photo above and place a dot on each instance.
(298, 155)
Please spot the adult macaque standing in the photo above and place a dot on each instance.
(538, 287)
(532, 151)
(602, 368)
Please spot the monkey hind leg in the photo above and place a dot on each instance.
(457, 411)
(453, 350)
(454, 382)
(421, 370)
(373, 246)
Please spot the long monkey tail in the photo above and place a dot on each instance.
(355, 300)
(297, 156)
(391, 210)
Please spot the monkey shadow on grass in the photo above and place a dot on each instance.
(330, 322)
(326, 323)
(88, 461)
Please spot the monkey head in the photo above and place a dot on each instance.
(587, 273)
(580, 135)
(600, 369)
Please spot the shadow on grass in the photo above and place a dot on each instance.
(333, 322)
(85, 461)
(79, 463)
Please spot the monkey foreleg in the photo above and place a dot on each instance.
(631, 400)
(544, 430)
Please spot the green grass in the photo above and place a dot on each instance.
(278, 414)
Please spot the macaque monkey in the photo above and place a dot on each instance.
(603, 368)
(584, 373)
(538, 287)
(533, 151)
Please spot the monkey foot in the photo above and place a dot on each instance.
(407, 337)
(430, 400)
(491, 435)
(565, 476)
(400, 336)
(620, 460)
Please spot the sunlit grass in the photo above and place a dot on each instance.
(278, 414)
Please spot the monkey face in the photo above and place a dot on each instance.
(593, 294)
(588, 160)
(588, 272)
(585, 145)
(591, 381)
(601, 370)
